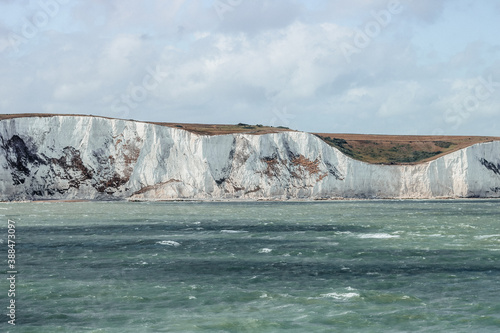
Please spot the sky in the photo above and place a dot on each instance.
(419, 67)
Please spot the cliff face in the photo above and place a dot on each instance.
(78, 157)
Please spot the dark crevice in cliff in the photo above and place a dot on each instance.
(19, 155)
(220, 181)
(289, 153)
(56, 175)
(491, 166)
(225, 172)
(332, 170)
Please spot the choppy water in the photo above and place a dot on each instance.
(356, 266)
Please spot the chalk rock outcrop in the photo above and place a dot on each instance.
(85, 157)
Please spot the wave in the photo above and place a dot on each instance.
(233, 231)
(169, 243)
(378, 236)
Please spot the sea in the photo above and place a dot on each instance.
(333, 266)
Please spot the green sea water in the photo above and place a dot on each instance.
(346, 266)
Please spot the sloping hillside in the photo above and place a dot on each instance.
(375, 149)
(399, 149)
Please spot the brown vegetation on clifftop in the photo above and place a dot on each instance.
(375, 149)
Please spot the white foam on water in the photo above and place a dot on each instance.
(169, 243)
(468, 226)
(300, 317)
(486, 236)
(378, 236)
(233, 231)
(340, 296)
(417, 234)
(265, 250)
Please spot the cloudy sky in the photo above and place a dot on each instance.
(357, 66)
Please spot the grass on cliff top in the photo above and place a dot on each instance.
(202, 129)
(375, 149)
(206, 129)
(399, 149)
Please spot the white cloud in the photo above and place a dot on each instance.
(262, 56)
(75, 92)
(401, 101)
(118, 55)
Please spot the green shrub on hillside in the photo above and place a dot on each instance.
(443, 144)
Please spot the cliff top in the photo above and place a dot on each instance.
(375, 149)
(202, 129)
(400, 149)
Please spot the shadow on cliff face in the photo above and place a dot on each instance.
(19, 156)
(49, 176)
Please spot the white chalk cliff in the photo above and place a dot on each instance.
(84, 157)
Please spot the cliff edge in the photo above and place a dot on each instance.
(96, 158)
